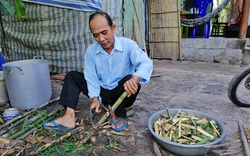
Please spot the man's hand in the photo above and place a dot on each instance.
(95, 104)
(131, 85)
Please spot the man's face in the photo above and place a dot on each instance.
(102, 32)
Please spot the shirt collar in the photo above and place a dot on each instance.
(117, 47)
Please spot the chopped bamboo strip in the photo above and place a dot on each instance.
(214, 128)
(200, 129)
(188, 126)
(179, 132)
(172, 124)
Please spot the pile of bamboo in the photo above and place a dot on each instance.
(186, 128)
(14, 131)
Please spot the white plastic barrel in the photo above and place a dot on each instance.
(28, 83)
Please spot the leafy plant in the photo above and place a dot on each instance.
(17, 10)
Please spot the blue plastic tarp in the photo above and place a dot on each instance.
(82, 5)
(2, 61)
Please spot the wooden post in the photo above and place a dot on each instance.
(244, 19)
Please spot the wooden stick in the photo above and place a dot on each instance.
(157, 149)
(243, 138)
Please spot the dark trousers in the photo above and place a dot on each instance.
(75, 83)
(248, 32)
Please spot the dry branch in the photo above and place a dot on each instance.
(157, 149)
(67, 135)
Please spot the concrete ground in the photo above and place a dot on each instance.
(181, 84)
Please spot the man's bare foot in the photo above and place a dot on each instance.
(64, 121)
(68, 120)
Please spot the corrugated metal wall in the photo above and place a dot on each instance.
(59, 35)
(132, 31)
(115, 9)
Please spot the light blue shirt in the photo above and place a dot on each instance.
(104, 70)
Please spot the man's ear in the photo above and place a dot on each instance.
(113, 27)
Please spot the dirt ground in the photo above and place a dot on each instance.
(174, 84)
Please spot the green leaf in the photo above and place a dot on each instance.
(7, 6)
(3, 10)
(19, 9)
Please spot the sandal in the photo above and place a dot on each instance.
(56, 126)
(118, 129)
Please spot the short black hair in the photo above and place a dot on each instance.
(104, 14)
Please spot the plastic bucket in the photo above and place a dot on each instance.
(28, 83)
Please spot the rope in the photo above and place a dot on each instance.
(201, 20)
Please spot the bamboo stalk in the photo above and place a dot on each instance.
(14, 129)
(39, 121)
(50, 117)
(104, 117)
(25, 124)
(9, 128)
(29, 112)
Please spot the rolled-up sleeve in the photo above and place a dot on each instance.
(143, 64)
